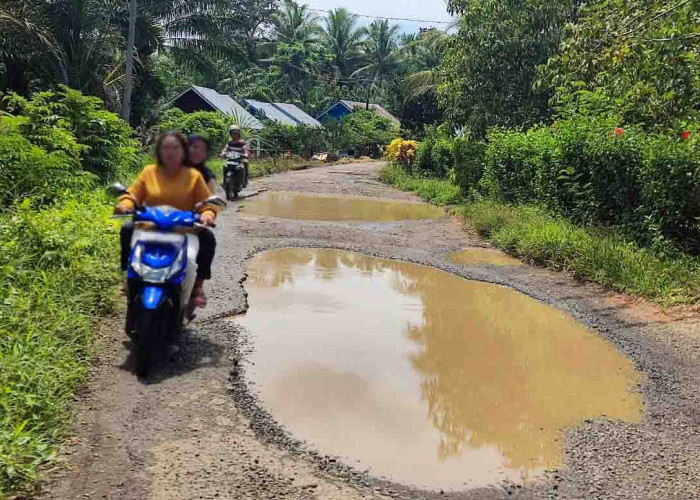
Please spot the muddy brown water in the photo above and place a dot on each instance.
(423, 377)
(337, 208)
(474, 257)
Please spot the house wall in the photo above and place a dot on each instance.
(337, 112)
(190, 102)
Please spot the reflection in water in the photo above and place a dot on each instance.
(337, 208)
(422, 376)
(481, 256)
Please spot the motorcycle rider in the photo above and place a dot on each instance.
(171, 182)
(238, 145)
(199, 149)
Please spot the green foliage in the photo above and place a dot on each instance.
(468, 157)
(365, 132)
(441, 157)
(301, 140)
(490, 65)
(640, 53)
(593, 172)
(78, 125)
(609, 259)
(57, 270)
(212, 125)
(27, 170)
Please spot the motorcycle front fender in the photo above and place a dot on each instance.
(152, 297)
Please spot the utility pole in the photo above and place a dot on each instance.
(129, 78)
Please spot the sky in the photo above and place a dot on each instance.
(432, 10)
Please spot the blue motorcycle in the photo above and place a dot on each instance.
(161, 275)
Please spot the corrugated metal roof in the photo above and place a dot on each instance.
(297, 114)
(352, 105)
(271, 112)
(228, 106)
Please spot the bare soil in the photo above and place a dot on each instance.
(196, 430)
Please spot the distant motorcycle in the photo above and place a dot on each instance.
(234, 174)
(161, 274)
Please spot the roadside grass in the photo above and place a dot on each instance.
(532, 234)
(58, 268)
(438, 191)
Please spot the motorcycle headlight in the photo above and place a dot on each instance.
(154, 275)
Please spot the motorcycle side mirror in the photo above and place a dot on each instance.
(117, 189)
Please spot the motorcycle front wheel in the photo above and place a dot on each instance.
(230, 189)
(148, 326)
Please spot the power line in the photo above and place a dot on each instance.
(389, 18)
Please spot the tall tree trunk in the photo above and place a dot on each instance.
(129, 80)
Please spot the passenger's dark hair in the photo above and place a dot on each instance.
(198, 137)
(180, 138)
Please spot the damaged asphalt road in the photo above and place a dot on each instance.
(196, 430)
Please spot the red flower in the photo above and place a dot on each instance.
(685, 135)
(619, 131)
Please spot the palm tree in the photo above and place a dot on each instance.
(343, 40)
(296, 24)
(423, 55)
(381, 55)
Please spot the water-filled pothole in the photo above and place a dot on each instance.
(336, 208)
(421, 376)
(474, 257)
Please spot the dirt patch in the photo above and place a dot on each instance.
(198, 430)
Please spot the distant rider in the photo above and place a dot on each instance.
(238, 145)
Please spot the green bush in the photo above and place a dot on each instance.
(27, 170)
(300, 140)
(365, 133)
(593, 172)
(441, 158)
(468, 157)
(78, 125)
(424, 154)
(212, 125)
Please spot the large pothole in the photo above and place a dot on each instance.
(421, 376)
(337, 208)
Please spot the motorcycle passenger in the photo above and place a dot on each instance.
(199, 149)
(171, 182)
(238, 145)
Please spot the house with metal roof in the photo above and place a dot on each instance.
(204, 99)
(282, 113)
(343, 108)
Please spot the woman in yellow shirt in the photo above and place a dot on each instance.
(171, 182)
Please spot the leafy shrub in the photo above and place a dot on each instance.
(441, 159)
(424, 154)
(468, 158)
(594, 172)
(365, 132)
(66, 120)
(402, 152)
(301, 140)
(212, 125)
(27, 170)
